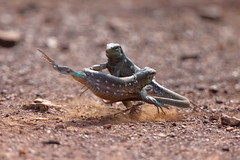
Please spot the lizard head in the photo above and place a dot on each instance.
(114, 50)
(145, 75)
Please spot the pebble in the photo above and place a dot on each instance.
(213, 89)
(225, 148)
(230, 121)
(41, 105)
(218, 100)
(107, 126)
(237, 87)
(36, 106)
(9, 39)
(214, 117)
(187, 57)
(41, 119)
(51, 142)
(4, 91)
(161, 135)
(52, 42)
(211, 12)
(229, 128)
(22, 153)
(200, 87)
(60, 126)
(171, 134)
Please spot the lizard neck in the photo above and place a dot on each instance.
(113, 61)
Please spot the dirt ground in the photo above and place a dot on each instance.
(193, 45)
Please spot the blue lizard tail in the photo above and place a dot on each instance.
(79, 76)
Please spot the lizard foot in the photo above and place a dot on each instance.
(121, 112)
(161, 107)
(158, 105)
(135, 110)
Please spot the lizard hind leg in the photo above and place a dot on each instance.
(136, 107)
(85, 89)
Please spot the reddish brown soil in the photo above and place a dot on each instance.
(194, 55)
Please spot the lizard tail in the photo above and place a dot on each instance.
(45, 56)
(177, 103)
(53, 63)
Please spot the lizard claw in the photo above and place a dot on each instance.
(158, 105)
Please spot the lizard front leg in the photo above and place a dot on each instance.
(99, 67)
(150, 99)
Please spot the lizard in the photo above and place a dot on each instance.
(112, 88)
(120, 65)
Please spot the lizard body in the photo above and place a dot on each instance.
(120, 65)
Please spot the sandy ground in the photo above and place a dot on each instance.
(193, 45)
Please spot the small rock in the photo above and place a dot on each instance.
(205, 121)
(218, 100)
(107, 126)
(200, 87)
(51, 142)
(22, 153)
(9, 39)
(40, 95)
(214, 117)
(204, 107)
(41, 119)
(211, 12)
(64, 46)
(229, 128)
(41, 105)
(213, 89)
(60, 126)
(171, 134)
(230, 121)
(36, 106)
(161, 135)
(225, 148)
(187, 57)
(38, 100)
(219, 125)
(3, 92)
(237, 87)
(52, 42)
